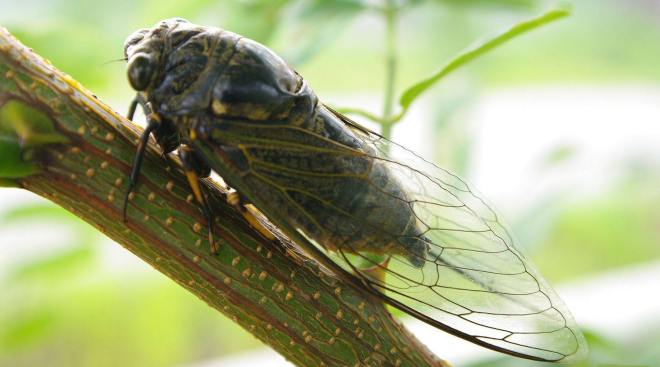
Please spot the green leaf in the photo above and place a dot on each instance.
(360, 112)
(12, 163)
(22, 128)
(413, 92)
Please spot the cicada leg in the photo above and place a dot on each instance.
(152, 124)
(236, 200)
(138, 100)
(195, 168)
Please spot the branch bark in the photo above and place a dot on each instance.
(80, 159)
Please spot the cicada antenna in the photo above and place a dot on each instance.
(115, 60)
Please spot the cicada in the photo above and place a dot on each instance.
(347, 196)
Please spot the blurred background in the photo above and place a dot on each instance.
(558, 129)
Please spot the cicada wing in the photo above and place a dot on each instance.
(453, 266)
(473, 281)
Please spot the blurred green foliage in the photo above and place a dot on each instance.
(617, 228)
(73, 307)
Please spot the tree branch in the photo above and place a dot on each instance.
(77, 152)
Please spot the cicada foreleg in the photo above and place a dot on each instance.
(195, 168)
(153, 122)
(138, 100)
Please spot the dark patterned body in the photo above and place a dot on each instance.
(254, 117)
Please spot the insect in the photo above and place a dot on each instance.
(350, 198)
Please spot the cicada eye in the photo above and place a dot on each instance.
(140, 71)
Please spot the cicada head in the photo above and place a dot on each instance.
(185, 70)
(146, 51)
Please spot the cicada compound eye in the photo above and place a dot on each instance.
(140, 71)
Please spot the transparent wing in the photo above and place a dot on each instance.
(445, 257)
(471, 278)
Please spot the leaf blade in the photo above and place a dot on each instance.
(414, 91)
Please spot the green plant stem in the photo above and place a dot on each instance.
(308, 315)
(390, 13)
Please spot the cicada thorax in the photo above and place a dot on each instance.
(210, 71)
